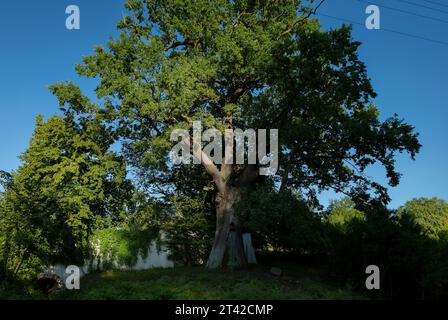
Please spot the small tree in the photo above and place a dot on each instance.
(424, 224)
(343, 212)
(68, 185)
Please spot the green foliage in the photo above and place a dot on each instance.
(189, 231)
(183, 209)
(360, 242)
(430, 215)
(424, 229)
(184, 216)
(199, 283)
(280, 220)
(120, 247)
(16, 240)
(68, 184)
(243, 64)
(409, 246)
(342, 213)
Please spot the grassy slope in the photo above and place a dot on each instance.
(198, 283)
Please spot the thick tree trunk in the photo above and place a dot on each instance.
(227, 250)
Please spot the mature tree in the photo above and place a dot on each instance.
(244, 64)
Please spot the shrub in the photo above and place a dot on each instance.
(280, 220)
(119, 247)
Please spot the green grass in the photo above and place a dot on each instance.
(199, 283)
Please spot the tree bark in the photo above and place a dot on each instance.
(227, 250)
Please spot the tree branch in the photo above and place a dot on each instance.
(208, 164)
(302, 18)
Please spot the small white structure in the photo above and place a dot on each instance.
(249, 248)
(154, 259)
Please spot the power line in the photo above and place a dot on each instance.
(387, 30)
(406, 12)
(437, 3)
(423, 6)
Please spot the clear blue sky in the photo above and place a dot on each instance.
(409, 74)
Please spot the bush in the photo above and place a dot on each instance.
(280, 221)
(189, 231)
(409, 246)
